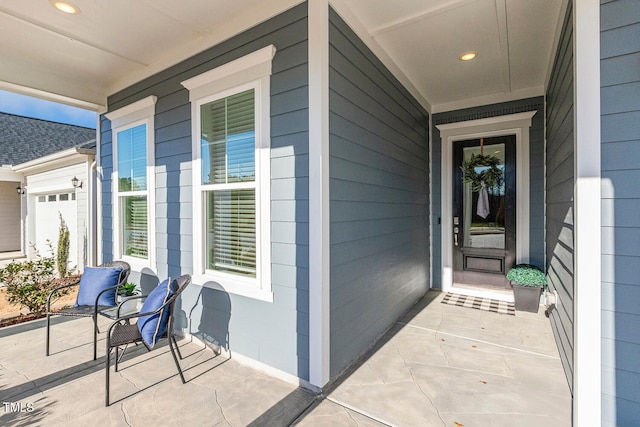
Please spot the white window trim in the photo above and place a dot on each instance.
(252, 71)
(138, 113)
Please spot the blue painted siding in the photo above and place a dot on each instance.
(273, 333)
(379, 196)
(536, 168)
(560, 182)
(620, 136)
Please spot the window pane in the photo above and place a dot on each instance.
(132, 159)
(134, 230)
(231, 231)
(227, 139)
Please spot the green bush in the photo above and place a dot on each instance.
(29, 282)
(527, 275)
(63, 248)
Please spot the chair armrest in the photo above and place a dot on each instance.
(56, 289)
(127, 300)
(96, 305)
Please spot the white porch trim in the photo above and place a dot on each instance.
(319, 272)
(512, 124)
(587, 335)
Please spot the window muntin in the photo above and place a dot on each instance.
(227, 148)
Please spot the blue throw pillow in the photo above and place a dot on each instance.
(95, 280)
(154, 326)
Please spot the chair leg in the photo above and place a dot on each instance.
(175, 359)
(95, 336)
(173, 337)
(47, 337)
(106, 390)
(117, 357)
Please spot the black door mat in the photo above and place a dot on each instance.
(486, 304)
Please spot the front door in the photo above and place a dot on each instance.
(484, 222)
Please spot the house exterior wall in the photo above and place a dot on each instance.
(620, 151)
(10, 217)
(379, 196)
(536, 169)
(560, 179)
(274, 333)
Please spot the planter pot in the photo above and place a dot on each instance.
(527, 298)
(131, 306)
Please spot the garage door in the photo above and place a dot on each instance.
(47, 221)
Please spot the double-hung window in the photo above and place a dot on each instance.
(231, 199)
(132, 184)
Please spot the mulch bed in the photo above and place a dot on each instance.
(12, 312)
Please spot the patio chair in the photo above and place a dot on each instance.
(154, 321)
(98, 289)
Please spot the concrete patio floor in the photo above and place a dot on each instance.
(440, 365)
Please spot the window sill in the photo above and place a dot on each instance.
(233, 285)
(137, 264)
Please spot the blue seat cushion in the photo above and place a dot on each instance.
(95, 280)
(153, 327)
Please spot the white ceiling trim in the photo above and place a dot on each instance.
(428, 13)
(37, 93)
(356, 25)
(556, 39)
(489, 99)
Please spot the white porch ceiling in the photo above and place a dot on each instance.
(81, 59)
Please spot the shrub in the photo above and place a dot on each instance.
(29, 282)
(63, 248)
(527, 275)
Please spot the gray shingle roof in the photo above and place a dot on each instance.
(23, 139)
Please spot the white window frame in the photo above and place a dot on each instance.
(252, 71)
(131, 116)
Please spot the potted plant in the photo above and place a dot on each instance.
(527, 281)
(125, 292)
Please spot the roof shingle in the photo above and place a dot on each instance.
(23, 138)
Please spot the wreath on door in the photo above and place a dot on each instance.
(480, 168)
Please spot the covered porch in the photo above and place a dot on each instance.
(484, 369)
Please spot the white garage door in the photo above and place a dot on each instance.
(47, 220)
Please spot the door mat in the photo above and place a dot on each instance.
(486, 304)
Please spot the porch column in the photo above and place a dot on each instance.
(319, 338)
(587, 224)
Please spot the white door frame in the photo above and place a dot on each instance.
(512, 124)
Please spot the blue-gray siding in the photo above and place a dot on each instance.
(536, 167)
(620, 109)
(379, 195)
(273, 333)
(560, 182)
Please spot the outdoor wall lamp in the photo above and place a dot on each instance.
(76, 182)
(20, 190)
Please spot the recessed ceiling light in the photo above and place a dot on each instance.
(66, 7)
(468, 56)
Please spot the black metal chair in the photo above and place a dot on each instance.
(87, 310)
(122, 332)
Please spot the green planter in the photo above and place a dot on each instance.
(527, 281)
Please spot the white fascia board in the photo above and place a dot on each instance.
(53, 161)
(489, 99)
(8, 174)
(587, 305)
(37, 93)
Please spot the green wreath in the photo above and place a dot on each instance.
(491, 174)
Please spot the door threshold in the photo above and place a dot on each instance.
(482, 292)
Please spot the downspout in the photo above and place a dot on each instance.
(92, 200)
